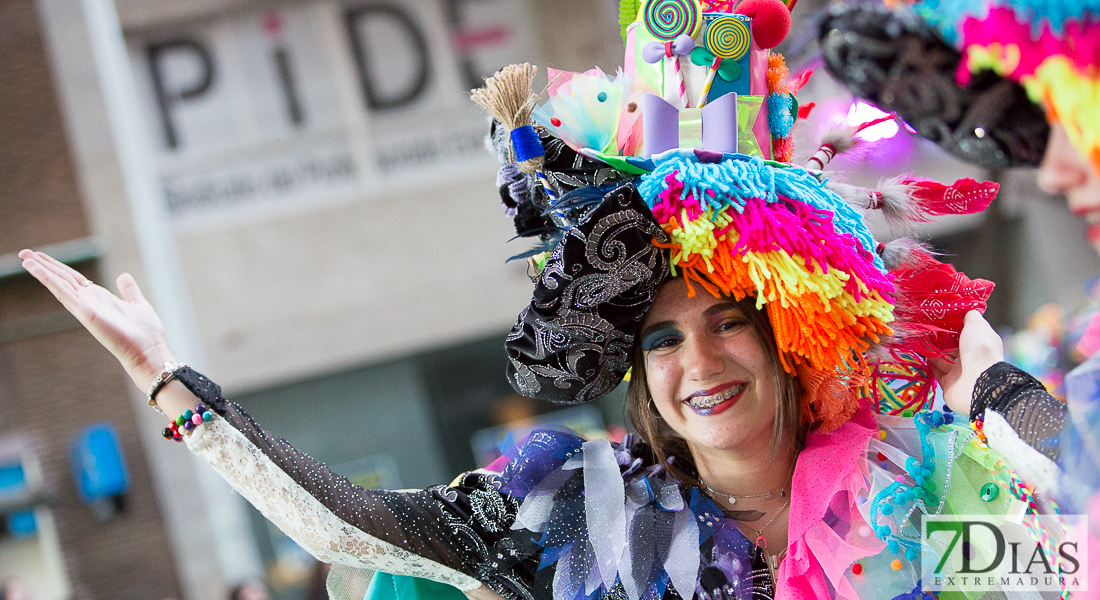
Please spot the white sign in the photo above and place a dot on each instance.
(318, 102)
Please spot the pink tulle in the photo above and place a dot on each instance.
(828, 475)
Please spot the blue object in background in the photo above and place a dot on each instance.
(22, 525)
(13, 481)
(98, 464)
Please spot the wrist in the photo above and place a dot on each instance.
(149, 366)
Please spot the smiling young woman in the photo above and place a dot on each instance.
(704, 355)
(708, 390)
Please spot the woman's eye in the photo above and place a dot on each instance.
(729, 324)
(660, 342)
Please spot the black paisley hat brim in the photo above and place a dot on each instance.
(898, 62)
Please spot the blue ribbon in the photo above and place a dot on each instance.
(526, 143)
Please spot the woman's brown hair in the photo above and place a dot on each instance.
(667, 444)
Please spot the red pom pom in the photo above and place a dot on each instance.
(771, 21)
(556, 122)
(857, 569)
(782, 149)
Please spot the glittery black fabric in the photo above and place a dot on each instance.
(1035, 415)
(209, 392)
(898, 62)
(465, 527)
(572, 343)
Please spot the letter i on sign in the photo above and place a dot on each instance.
(273, 28)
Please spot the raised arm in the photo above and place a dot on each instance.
(979, 380)
(420, 533)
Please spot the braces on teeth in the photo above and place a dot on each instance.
(716, 399)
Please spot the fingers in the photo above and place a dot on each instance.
(62, 289)
(61, 270)
(129, 289)
(979, 340)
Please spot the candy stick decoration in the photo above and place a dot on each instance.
(668, 19)
(509, 98)
(726, 38)
(711, 72)
(674, 22)
(678, 78)
(670, 52)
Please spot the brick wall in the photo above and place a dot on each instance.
(54, 377)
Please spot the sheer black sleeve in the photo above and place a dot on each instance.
(1035, 415)
(449, 534)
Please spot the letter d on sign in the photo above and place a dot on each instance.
(358, 20)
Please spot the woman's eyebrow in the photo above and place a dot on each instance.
(657, 327)
(720, 308)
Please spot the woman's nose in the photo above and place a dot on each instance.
(703, 358)
(1062, 168)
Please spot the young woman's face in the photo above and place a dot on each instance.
(708, 372)
(1065, 172)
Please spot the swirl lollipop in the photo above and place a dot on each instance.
(726, 38)
(669, 21)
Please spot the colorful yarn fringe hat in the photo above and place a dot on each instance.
(631, 185)
(1050, 48)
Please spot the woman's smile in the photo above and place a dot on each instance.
(717, 399)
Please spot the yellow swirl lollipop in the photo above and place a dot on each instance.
(726, 38)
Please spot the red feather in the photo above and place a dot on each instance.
(804, 109)
(964, 197)
(800, 80)
(933, 299)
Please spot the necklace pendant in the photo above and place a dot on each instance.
(769, 496)
(733, 500)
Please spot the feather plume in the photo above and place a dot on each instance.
(904, 252)
(840, 138)
(893, 196)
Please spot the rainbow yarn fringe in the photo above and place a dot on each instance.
(1051, 47)
(742, 227)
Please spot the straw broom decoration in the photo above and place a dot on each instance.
(509, 98)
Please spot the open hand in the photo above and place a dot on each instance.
(979, 348)
(127, 326)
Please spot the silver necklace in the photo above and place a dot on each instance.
(771, 560)
(760, 531)
(733, 499)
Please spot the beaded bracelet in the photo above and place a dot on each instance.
(187, 422)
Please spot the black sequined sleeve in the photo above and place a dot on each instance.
(572, 344)
(443, 533)
(1035, 415)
